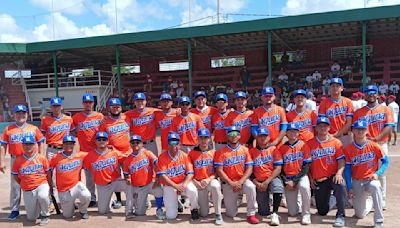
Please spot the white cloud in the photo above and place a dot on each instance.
(97, 30)
(75, 7)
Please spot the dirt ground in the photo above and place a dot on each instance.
(117, 218)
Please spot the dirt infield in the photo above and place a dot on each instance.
(117, 219)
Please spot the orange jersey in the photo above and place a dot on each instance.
(67, 169)
(306, 121)
(118, 132)
(31, 171)
(241, 120)
(104, 166)
(175, 168)
(324, 155)
(86, 127)
(56, 128)
(203, 163)
(264, 162)
(377, 119)
(163, 121)
(364, 159)
(294, 156)
(143, 123)
(187, 128)
(233, 160)
(205, 115)
(271, 118)
(140, 167)
(218, 124)
(13, 135)
(336, 111)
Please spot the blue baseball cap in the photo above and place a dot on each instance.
(267, 90)
(336, 80)
(135, 138)
(87, 97)
(293, 126)
(173, 136)
(221, 96)
(20, 108)
(69, 138)
(232, 128)
(323, 119)
(360, 124)
(55, 101)
(184, 99)
(262, 131)
(101, 134)
(203, 132)
(29, 139)
(371, 89)
(300, 92)
(165, 96)
(200, 93)
(114, 102)
(139, 96)
(240, 94)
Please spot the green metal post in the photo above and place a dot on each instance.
(270, 57)
(54, 54)
(117, 59)
(189, 46)
(364, 52)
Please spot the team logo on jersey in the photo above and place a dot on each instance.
(31, 169)
(259, 161)
(186, 127)
(89, 124)
(124, 127)
(336, 111)
(165, 123)
(69, 166)
(235, 160)
(136, 166)
(206, 119)
(269, 120)
(59, 128)
(321, 153)
(176, 170)
(198, 164)
(374, 118)
(17, 138)
(292, 157)
(242, 123)
(143, 120)
(304, 123)
(220, 125)
(103, 164)
(363, 158)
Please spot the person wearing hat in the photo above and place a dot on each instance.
(339, 110)
(205, 112)
(394, 107)
(30, 172)
(142, 122)
(296, 164)
(241, 118)
(202, 159)
(87, 124)
(105, 166)
(164, 118)
(11, 143)
(176, 173)
(380, 123)
(266, 175)
(218, 120)
(67, 167)
(234, 167)
(355, 99)
(186, 125)
(382, 100)
(326, 170)
(366, 162)
(139, 172)
(305, 118)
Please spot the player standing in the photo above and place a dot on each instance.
(394, 107)
(205, 112)
(164, 119)
(218, 120)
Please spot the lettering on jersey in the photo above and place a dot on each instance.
(304, 123)
(186, 127)
(220, 125)
(143, 120)
(124, 127)
(363, 158)
(242, 123)
(89, 124)
(269, 120)
(337, 111)
(198, 164)
(292, 157)
(69, 166)
(165, 123)
(30, 169)
(321, 153)
(102, 164)
(136, 166)
(17, 138)
(176, 170)
(235, 160)
(206, 119)
(374, 118)
(263, 160)
(59, 128)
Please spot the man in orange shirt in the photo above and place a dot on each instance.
(11, 142)
(205, 112)
(202, 159)
(30, 171)
(87, 125)
(164, 119)
(218, 121)
(67, 167)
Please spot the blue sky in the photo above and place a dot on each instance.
(33, 20)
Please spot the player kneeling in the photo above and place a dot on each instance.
(202, 158)
(266, 170)
(68, 165)
(176, 173)
(362, 172)
(30, 171)
(139, 175)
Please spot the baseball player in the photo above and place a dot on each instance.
(202, 159)
(363, 159)
(164, 119)
(234, 167)
(87, 123)
(241, 118)
(67, 166)
(218, 121)
(339, 110)
(305, 118)
(139, 173)
(11, 142)
(380, 123)
(176, 173)
(142, 122)
(205, 112)
(326, 170)
(270, 116)
(296, 163)
(186, 125)
(30, 171)
(266, 171)
(394, 107)
(104, 164)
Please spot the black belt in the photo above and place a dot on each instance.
(221, 143)
(149, 141)
(54, 147)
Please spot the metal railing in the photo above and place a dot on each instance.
(105, 95)
(18, 79)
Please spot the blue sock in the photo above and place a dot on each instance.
(159, 202)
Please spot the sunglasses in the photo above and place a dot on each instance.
(135, 142)
(173, 143)
(233, 133)
(102, 139)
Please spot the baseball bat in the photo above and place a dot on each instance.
(55, 204)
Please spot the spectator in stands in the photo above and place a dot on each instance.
(394, 88)
(124, 100)
(148, 86)
(284, 99)
(325, 86)
(310, 103)
(6, 110)
(310, 80)
(394, 107)
(348, 73)
(167, 84)
(335, 69)
(284, 59)
(130, 102)
(383, 88)
(244, 77)
(355, 99)
(317, 75)
(283, 76)
(298, 58)
(180, 89)
(382, 100)
(230, 90)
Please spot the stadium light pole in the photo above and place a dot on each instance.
(118, 62)
(269, 57)
(189, 47)
(54, 55)
(364, 52)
